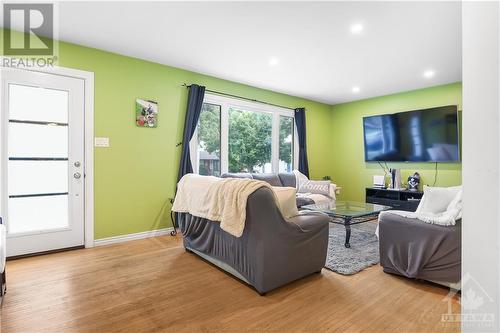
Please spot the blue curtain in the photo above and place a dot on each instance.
(300, 121)
(195, 102)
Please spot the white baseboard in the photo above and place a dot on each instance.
(130, 237)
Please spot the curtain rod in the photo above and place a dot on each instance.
(241, 97)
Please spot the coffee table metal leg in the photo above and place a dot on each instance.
(347, 224)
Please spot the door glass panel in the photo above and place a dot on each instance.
(37, 177)
(38, 134)
(38, 104)
(286, 144)
(249, 141)
(37, 213)
(209, 140)
(34, 140)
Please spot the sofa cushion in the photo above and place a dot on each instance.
(287, 179)
(236, 175)
(302, 201)
(286, 201)
(270, 178)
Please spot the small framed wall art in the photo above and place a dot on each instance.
(146, 113)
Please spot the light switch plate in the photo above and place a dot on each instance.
(101, 142)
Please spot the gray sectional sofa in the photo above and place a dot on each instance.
(286, 179)
(271, 252)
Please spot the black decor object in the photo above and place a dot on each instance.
(195, 102)
(300, 120)
(414, 181)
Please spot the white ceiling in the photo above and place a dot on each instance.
(318, 56)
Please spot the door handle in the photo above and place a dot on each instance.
(77, 175)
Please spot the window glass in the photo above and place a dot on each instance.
(38, 177)
(286, 144)
(249, 141)
(38, 213)
(38, 104)
(209, 140)
(37, 140)
(38, 159)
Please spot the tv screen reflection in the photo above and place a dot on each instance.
(429, 135)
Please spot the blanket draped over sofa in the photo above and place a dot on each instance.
(216, 199)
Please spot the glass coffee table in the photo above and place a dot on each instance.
(347, 213)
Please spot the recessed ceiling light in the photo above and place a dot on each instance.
(273, 61)
(357, 28)
(356, 90)
(429, 73)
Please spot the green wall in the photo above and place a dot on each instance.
(135, 176)
(346, 150)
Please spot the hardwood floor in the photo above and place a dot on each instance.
(153, 285)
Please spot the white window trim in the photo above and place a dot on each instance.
(227, 102)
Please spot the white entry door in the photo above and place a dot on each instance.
(42, 166)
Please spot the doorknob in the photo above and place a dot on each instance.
(77, 175)
(77, 164)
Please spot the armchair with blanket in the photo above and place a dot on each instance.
(425, 244)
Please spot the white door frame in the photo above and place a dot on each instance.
(88, 78)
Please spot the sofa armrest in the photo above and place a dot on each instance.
(310, 221)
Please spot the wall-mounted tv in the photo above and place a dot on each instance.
(429, 135)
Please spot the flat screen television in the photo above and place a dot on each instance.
(429, 135)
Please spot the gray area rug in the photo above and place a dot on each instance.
(362, 254)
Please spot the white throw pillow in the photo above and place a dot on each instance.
(316, 187)
(286, 201)
(436, 200)
(333, 189)
(300, 179)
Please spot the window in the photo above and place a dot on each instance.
(286, 143)
(240, 136)
(250, 139)
(208, 140)
(37, 148)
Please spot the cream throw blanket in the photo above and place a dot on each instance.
(216, 199)
(448, 217)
